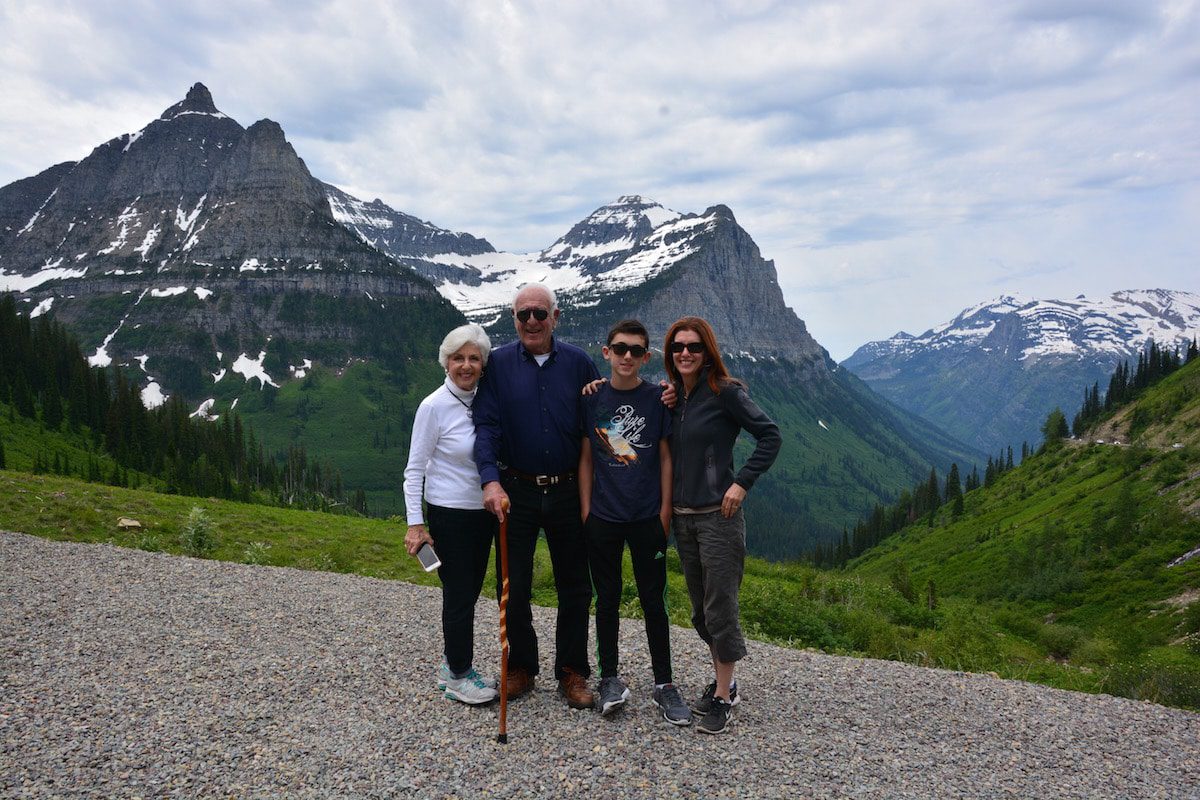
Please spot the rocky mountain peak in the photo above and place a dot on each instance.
(198, 101)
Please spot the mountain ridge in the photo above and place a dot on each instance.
(992, 374)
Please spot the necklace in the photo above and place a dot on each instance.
(464, 403)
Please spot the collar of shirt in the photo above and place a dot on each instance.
(528, 356)
(466, 397)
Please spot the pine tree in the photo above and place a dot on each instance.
(1054, 429)
(953, 484)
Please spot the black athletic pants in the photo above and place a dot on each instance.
(463, 541)
(554, 509)
(648, 551)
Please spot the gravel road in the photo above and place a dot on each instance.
(131, 674)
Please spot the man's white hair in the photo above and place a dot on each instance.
(470, 333)
(540, 287)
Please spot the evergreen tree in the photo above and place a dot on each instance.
(1193, 351)
(1054, 429)
(953, 484)
(3, 463)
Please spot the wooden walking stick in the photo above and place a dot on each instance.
(502, 738)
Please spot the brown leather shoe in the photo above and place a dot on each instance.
(573, 686)
(520, 682)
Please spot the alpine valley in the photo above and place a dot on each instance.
(206, 261)
(991, 375)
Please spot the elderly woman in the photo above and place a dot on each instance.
(441, 461)
(707, 519)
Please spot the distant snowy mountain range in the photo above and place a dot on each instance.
(991, 374)
(1120, 325)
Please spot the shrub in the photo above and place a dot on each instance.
(198, 535)
(1100, 652)
(901, 581)
(1165, 675)
(1018, 624)
(256, 553)
(964, 640)
(1060, 640)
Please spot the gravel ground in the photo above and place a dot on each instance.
(127, 674)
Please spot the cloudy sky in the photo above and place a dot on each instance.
(897, 161)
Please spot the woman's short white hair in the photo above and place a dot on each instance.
(470, 333)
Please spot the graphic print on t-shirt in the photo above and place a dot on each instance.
(621, 435)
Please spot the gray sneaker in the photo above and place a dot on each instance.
(717, 718)
(704, 702)
(674, 710)
(613, 694)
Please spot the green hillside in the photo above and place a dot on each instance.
(1073, 547)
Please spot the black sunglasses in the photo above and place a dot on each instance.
(695, 348)
(635, 350)
(539, 314)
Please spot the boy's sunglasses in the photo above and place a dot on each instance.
(539, 314)
(695, 348)
(635, 350)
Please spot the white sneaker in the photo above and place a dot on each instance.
(444, 674)
(470, 689)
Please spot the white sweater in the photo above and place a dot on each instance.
(441, 455)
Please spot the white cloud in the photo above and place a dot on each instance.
(930, 150)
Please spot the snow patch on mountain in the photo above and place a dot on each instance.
(51, 271)
(250, 368)
(1119, 325)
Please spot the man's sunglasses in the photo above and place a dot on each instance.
(635, 350)
(695, 348)
(524, 314)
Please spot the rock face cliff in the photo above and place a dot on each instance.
(194, 242)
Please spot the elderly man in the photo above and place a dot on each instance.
(528, 434)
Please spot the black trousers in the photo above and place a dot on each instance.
(554, 509)
(648, 551)
(463, 541)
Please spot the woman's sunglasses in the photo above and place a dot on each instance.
(695, 348)
(539, 314)
(635, 350)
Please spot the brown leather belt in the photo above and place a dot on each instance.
(540, 480)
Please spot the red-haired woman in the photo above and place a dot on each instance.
(709, 526)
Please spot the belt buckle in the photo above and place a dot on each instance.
(545, 480)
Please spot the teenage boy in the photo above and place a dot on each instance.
(625, 498)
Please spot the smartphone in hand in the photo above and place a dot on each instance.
(428, 558)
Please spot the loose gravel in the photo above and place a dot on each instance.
(132, 674)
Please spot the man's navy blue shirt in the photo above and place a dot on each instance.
(529, 417)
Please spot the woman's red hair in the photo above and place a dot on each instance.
(718, 375)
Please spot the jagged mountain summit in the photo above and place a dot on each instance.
(629, 253)
(992, 374)
(190, 244)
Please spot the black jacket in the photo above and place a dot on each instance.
(704, 427)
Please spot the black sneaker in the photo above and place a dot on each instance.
(613, 694)
(674, 710)
(704, 702)
(717, 718)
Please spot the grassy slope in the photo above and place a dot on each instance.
(1081, 537)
